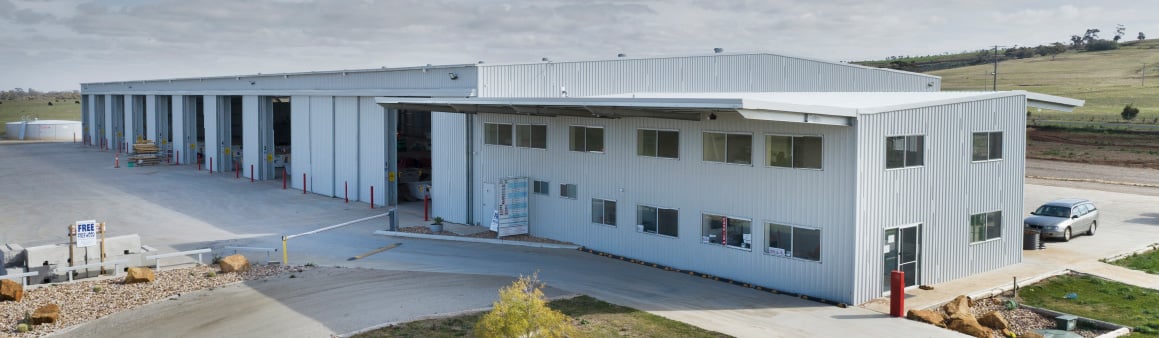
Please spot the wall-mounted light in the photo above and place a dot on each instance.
(253, 83)
(453, 76)
(711, 116)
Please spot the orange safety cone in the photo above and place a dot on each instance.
(117, 161)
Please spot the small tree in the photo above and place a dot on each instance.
(522, 311)
(1129, 112)
(1142, 36)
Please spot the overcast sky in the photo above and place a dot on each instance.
(57, 44)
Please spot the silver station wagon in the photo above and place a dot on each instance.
(1064, 218)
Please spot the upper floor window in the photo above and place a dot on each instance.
(793, 151)
(904, 151)
(531, 136)
(987, 146)
(497, 133)
(658, 143)
(589, 139)
(728, 147)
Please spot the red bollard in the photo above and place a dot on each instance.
(177, 159)
(283, 180)
(251, 173)
(372, 197)
(117, 161)
(303, 183)
(897, 294)
(236, 171)
(211, 166)
(426, 207)
(346, 190)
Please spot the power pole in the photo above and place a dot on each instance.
(1143, 75)
(995, 88)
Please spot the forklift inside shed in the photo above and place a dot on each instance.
(414, 154)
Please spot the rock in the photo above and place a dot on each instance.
(234, 263)
(965, 323)
(962, 303)
(46, 314)
(11, 290)
(139, 275)
(994, 320)
(927, 316)
(1031, 334)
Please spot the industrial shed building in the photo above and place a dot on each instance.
(800, 175)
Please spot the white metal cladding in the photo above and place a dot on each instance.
(448, 167)
(299, 140)
(346, 147)
(162, 110)
(813, 198)
(433, 77)
(372, 151)
(210, 107)
(250, 137)
(129, 115)
(151, 119)
(942, 194)
(180, 145)
(715, 73)
(321, 175)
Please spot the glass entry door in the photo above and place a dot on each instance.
(902, 249)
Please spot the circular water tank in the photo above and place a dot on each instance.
(52, 130)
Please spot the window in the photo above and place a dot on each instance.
(655, 220)
(589, 139)
(987, 146)
(904, 151)
(541, 188)
(985, 226)
(793, 151)
(497, 134)
(791, 241)
(567, 191)
(658, 143)
(728, 148)
(603, 212)
(727, 231)
(531, 136)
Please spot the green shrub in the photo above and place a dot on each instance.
(211, 274)
(22, 327)
(1129, 112)
(522, 311)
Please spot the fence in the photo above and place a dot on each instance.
(70, 269)
(157, 258)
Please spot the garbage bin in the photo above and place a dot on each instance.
(1031, 240)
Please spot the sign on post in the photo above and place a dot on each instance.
(86, 233)
(513, 218)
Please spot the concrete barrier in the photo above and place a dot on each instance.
(47, 258)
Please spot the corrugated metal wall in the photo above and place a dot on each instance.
(299, 140)
(372, 151)
(250, 136)
(151, 119)
(449, 167)
(321, 176)
(128, 117)
(712, 73)
(180, 145)
(813, 198)
(395, 78)
(211, 124)
(346, 146)
(942, 194)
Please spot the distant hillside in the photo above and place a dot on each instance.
(1107, 80)
(936, 62)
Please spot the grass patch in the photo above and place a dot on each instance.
(1146, 262)
(1099, 299)
(14, 110)
(593, 318)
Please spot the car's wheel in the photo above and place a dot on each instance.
(1066, 235)
(1091, 232)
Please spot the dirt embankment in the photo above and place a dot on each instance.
(1115, 161)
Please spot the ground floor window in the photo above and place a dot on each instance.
(727, 231)
(658, 221)
(793, 241)
(603, 212)
(985, 226)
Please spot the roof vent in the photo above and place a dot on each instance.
(621, 55)
(545, 59)
(718, 50)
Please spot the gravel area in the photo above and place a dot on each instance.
(1021, 320)
(485, 234)
(86, 300)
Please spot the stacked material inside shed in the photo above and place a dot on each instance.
(145, 152)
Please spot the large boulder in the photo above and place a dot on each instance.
(46, 314)
(959, 304)
(965, 323)
(994, 320)
(139, 275)
(11, 290)
(927, 316)
(234, 263)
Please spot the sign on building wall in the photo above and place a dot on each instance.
(86, 233)
(512, 206)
